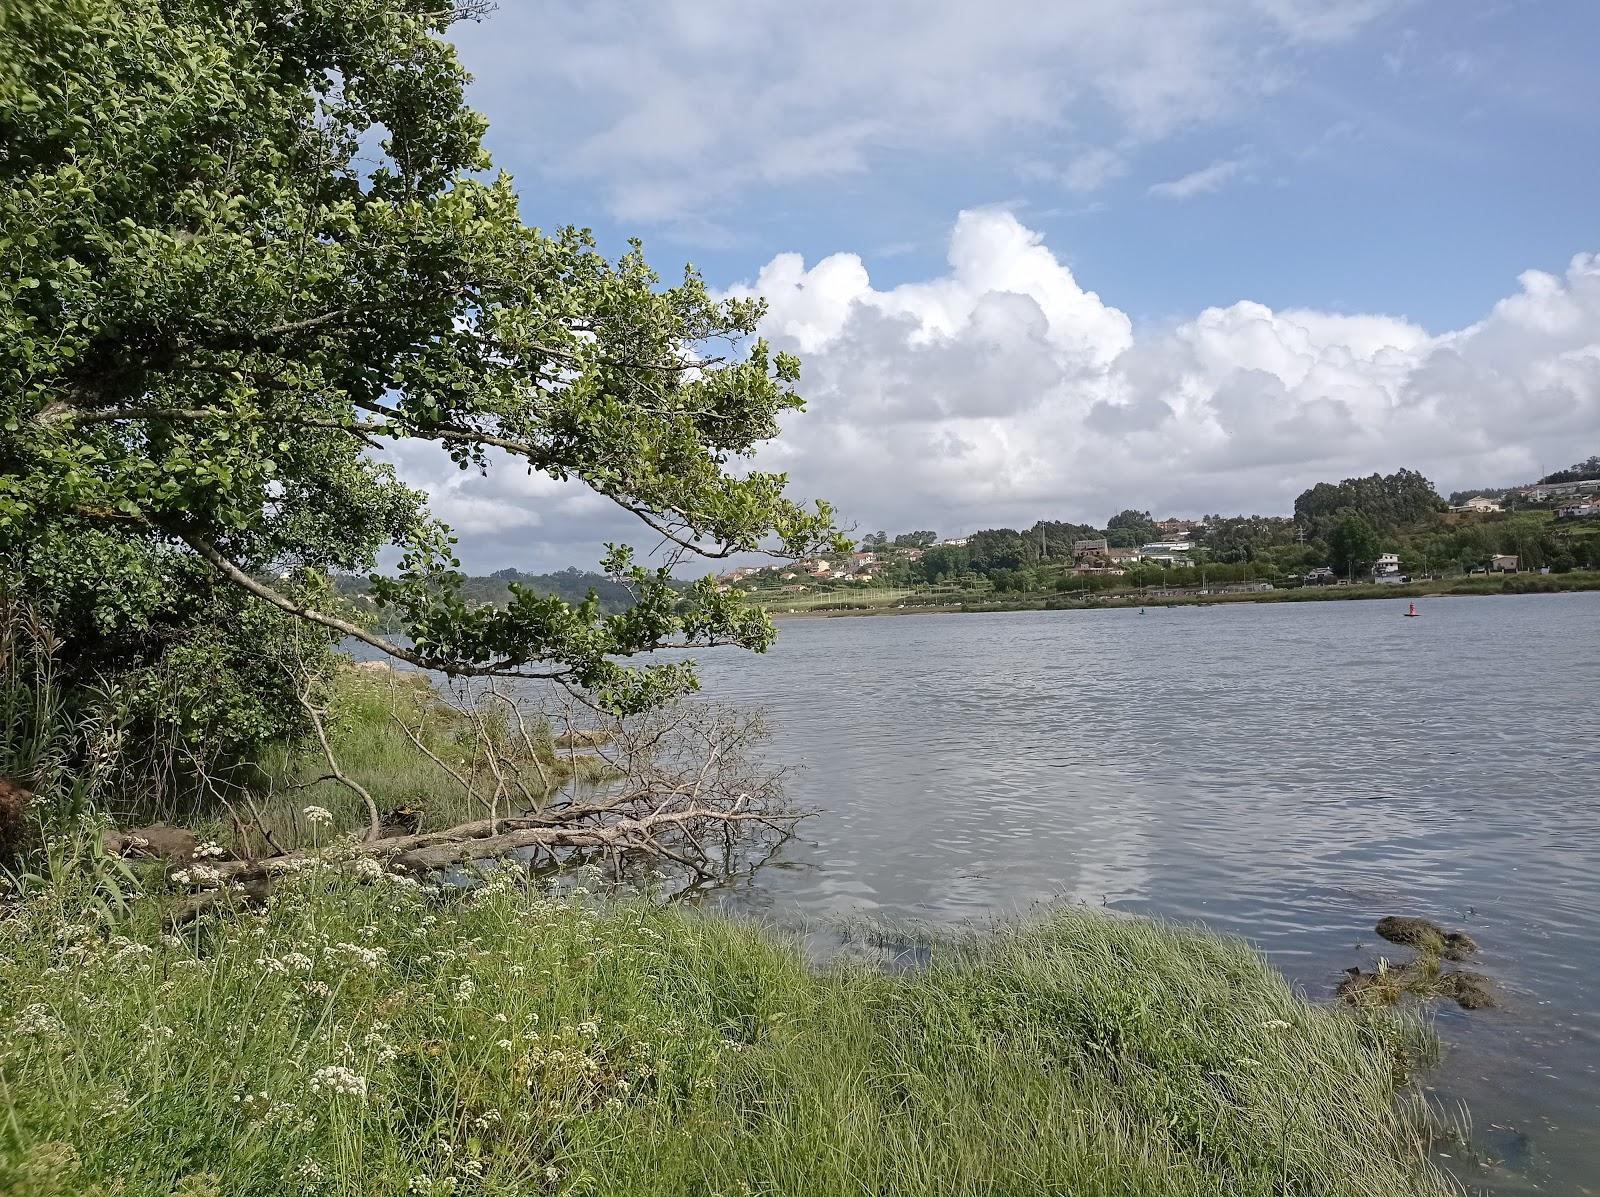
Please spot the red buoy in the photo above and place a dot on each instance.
(1413, 612)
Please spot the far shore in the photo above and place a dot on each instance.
(1427, 589)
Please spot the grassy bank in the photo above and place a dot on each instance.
(382, 1039)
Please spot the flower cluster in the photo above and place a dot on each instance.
(337, 1079)
(372, 958)
(317, 814)
(291, 962)
(36, 1020)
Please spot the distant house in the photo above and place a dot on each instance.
(1480, 503)
(1090, 548)
(1175, 528)
(1122, 555)
(1164, 546)
(1552, 490)
(1322, 575)
(1387, 563)
(1503, 563)
(1577, 511)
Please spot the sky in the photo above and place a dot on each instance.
(1055, 258)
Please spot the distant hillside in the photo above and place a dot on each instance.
(571, 584)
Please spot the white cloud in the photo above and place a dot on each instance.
(1003, 390)
(1200, 182)
(676, 107)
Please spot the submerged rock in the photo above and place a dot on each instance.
(1470, 990)
(1427, 937)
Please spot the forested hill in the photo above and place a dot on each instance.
(571, 584)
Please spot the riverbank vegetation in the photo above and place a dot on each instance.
(373, 1035)
(255, 256)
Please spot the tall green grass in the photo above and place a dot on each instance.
(375, 1037)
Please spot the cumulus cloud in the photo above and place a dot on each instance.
(1004, 390)
(676, 107)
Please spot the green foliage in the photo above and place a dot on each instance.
(246, 250)
(377, 1038)
(1387, 502)
(1582, 471)
(942, 563)
(1130, 528)
(1353, 544)
(1001, 548)
(915, 540)
(1246, 537)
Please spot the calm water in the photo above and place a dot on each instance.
(1288, 772)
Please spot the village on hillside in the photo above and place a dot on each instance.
(1484, 533)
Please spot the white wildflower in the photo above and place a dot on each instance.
(317, 814)
(372, 958)
(338, 1079)
(36, 1020)
(465, 988)
(209, 849)
(1275, 1024)
(367, 868)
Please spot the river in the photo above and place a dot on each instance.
(1290, 772)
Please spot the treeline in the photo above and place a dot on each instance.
(1583, 471)
(1343, 525)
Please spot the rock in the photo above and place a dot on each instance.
(1470, 990)
(14, 802)
(404, 819)
(159, 842)
(1427, 937)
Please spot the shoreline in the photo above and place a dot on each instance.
(1535, 584)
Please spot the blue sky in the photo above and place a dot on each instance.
(1061, 258)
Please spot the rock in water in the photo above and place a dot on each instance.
(1426, 937)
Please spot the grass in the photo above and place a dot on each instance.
(382, 1038)
(366, 706)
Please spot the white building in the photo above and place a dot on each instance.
(1388, 563)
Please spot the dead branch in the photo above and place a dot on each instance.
(685, 792)
(335, 773)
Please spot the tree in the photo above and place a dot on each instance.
(1388, 502)
(1057, 537)
(915, 540)
(1353, 544)
(942, 563)
(1001, 548)
(1129, 529)
(247, 254)
(875, 542)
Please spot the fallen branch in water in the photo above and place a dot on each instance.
(682, 789)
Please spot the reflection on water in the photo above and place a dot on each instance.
(1289, 772)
